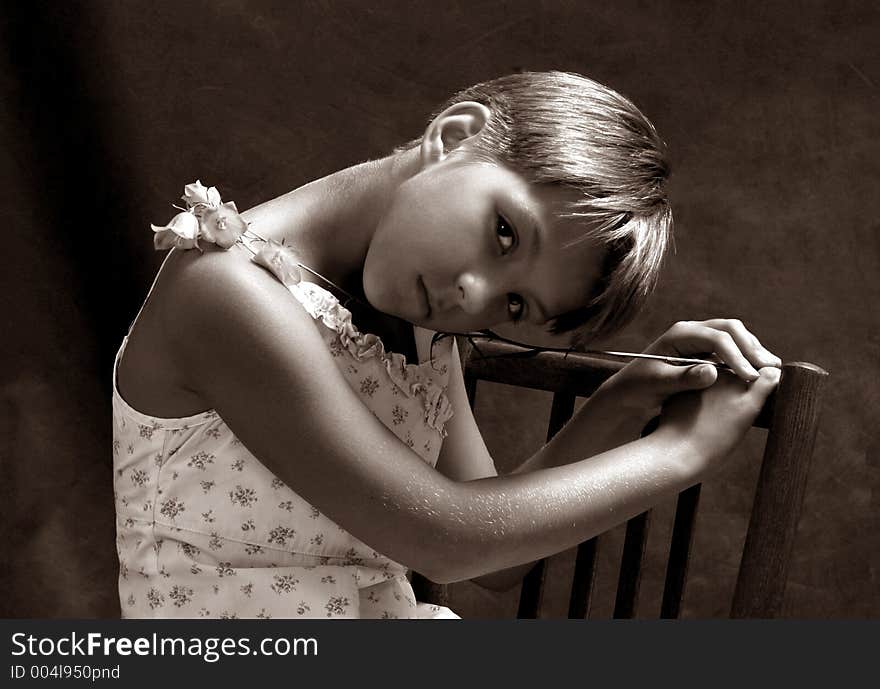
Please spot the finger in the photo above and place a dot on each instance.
(668, 379)
(767, 381)
(749, 345)
(693, 338)
(697, 377)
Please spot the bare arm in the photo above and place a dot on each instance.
(618, 411)
(253, 354)
(596, 427)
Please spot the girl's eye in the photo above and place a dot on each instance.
(506, 235)
(514, 306)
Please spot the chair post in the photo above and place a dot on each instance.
(631, 565)
(760, 586)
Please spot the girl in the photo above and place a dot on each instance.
(289, 441)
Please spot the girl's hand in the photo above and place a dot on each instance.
(643, 385)
(708, 424)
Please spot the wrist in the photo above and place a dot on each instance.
(687, 458)
(619, 404)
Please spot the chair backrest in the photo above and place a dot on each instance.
(791, 418)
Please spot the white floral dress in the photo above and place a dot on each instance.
(205, 530)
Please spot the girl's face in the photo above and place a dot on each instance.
(467, 245)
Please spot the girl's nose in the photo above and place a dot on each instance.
(473, 292)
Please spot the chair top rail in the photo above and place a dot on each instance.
(574, 372)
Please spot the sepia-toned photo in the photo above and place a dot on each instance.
(441, 310)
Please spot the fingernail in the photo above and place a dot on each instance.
(701, 371)
(752, 374)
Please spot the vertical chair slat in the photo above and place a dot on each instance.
(470, 387)
(760, 586)
(632, 560)
(679, 552)
(582, 581)
(560, 413)
(532, 593)
(631, 565)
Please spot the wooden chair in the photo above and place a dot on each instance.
(791, 418)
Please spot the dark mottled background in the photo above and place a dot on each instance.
(108, 108)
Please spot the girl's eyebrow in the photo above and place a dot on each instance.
(526, 219)
(537, 239)
(531, 221)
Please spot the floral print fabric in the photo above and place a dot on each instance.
(205, 530)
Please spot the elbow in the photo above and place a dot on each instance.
(456, 541)
(449, 560)
(445, 567)
(437, 577)
(498, 584)
(472, 562)
(444, 576)
(500, 581)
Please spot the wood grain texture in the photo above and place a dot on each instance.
(780, 493)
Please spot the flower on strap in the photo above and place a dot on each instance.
(280, 261)
(182, 232)
(205, 217)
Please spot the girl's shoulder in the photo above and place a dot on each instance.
(203, 307)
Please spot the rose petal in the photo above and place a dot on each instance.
(280, 261)
(182, 224)
(223, 225)
(182, 231)
(185, 225)
(185, 243)
(197, 193)
(165, 238)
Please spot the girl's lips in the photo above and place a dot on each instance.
(427, 298)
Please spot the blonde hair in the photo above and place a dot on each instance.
(563, 129)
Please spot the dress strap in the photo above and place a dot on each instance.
(149, 293)
(121, 350)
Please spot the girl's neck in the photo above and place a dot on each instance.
(331, 221)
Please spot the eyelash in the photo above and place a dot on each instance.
(510, 234)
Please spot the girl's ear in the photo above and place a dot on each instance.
(451, 128)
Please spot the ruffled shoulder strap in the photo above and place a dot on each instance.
(413, 380)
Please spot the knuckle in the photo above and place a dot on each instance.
(723, 338)
(680, 326)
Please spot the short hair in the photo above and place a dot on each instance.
(564, 129)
